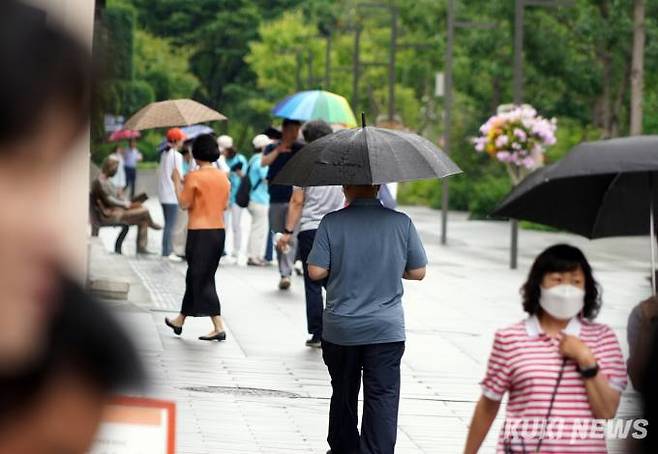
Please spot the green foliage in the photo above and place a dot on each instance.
(487, 194)
(478, 196)
(418, 192)
(241, 56)
(534, 226)
(127, 97)
(290, 39)
(220, 47)
(119, 22)
(164, 67)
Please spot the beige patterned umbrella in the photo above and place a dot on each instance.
(175, 112)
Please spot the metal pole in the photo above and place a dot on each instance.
(327, 63)
(310, 70)
(391, 63)
(652, 233)
(356, 68)
(518, 51)
(518, 100)
(447, 116)
(298, 71)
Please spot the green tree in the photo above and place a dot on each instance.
(164, 67)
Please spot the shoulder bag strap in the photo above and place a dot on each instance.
(550, 405)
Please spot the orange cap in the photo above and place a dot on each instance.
(175, 135)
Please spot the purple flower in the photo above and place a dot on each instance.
(504, 156)
(528, 162)
(480, 143)
(501, 141)
(520, 134)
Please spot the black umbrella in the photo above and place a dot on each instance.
(366, 155)
(600, 189)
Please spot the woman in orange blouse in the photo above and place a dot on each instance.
(205, 195)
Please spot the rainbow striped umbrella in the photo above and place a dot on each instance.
(316, 105)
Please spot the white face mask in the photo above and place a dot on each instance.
(563, 301)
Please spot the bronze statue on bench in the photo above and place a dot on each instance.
(109, 209)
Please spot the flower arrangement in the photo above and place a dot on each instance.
(518, 137)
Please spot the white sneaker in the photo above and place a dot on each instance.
(229, 260)
(174, 258)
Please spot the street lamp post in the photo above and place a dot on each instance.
(327, 63)
(391, 58)
(519, 17)
(356, 68)
(447, 102)
(298, 70)
(447, 116)
(391, 64)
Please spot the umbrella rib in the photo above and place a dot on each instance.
(368, 163)
(603, 199)
(181, 113)
(427, 161)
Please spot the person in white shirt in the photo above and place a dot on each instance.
(307, 208)
(237, 165)
(170, 159)
(259, 203)
(131, 157)
(119, 179)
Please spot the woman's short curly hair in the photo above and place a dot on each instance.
(205, 148)
(557, 259)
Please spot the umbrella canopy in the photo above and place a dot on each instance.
(316, 105)
(365, 156)
(600, 189)
(177, 112)
(191, 132)
(124, 134)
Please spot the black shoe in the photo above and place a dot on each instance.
(217, 337)
(284, 283)
(177, 329)
(315, 341)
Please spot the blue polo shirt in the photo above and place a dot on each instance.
(233, 177)
(366, 249)
(257, 175)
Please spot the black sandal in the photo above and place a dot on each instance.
(177, 329)
(221, 336)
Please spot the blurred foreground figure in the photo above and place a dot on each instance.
(642, 330)
(55, 405)
(60, 352)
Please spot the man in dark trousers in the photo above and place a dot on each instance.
(307, 208)
(364, 251)
(276, 156)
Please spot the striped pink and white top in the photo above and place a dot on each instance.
(525, 362)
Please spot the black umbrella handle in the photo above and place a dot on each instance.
(363, 119)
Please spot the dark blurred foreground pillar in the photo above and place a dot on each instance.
(78, 17)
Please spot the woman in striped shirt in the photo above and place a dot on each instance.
(563, 372)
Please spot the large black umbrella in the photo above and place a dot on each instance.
(364, 156)
(600, 189)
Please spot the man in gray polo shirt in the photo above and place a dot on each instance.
(364, 251)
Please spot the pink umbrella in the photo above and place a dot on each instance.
(124, 134)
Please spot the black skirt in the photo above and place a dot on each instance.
(203, 250)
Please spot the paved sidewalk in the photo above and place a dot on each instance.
(263, 391)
